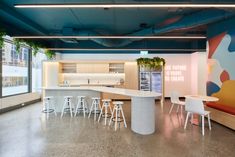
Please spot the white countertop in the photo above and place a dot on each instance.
(120, 91)
(91, 84)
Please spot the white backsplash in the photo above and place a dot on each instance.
(94, 78)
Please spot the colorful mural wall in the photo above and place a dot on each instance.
(221, 60)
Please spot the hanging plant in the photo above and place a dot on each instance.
(2, 34)
(17, 43)
(50, 54)
(34, 46)
(155, 63)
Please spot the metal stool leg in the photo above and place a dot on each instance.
(91, 109)
(70, 108)
(101, 112)
(123, 118)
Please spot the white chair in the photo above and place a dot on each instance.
(105, 106)
(67, 102)
(176, 101)
(95, 107)
(117, 110)
(48, 103)
(196, 106)
(81, 106)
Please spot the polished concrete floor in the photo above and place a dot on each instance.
(26, 133)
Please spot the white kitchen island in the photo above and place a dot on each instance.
(142, 103)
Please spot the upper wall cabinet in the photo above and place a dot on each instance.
(92, 68)
(68, 68)
(116, 67)
(107, 67)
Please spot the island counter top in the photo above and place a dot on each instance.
(142, 103)
(120, 91)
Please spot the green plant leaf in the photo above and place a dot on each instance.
(154, 63)
(17, 43)
(49, 54)
(2, 34)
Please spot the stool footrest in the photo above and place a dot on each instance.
(119, 119)
(108, 115)
(48, 111)
(97, 111)
(66, 110)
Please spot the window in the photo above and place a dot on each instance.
(15, 69)
(37, 71)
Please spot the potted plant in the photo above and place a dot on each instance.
(146, 64)
(158, 63)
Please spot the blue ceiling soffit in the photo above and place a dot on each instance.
(20, 19)
(131, 22)
(193, 20)
(147, 44)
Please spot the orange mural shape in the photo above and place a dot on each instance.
(224, 76)
(214, 43)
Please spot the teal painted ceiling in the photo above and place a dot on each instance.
(122, 21)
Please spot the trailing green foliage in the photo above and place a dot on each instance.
(152, 63)
(2, 34)
(50, 54)
(17, 43)
(34, 46)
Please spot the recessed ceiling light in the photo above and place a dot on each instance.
(135, 5)
(109, 37)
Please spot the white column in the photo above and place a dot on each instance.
(143, 115)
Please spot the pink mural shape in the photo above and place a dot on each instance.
(169, 21)
(214, 43)
(224, 76)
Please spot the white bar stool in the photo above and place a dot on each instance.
(81, 106)
(117, 110)
(95, 107)
(48, 102)
(67, 101)
(106, 105)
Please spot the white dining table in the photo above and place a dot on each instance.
(204, 98)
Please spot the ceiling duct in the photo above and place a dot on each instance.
(193, 20)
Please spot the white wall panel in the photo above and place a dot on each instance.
(187, 75)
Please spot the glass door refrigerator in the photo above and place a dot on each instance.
(156, 82)
(151, 81)
(144, 81)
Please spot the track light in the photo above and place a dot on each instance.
(120, 49)
(109, 37)
(135, 5)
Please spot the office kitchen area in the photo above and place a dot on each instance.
(117, 79)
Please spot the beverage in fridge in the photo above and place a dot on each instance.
(150, 81)
(145, 81)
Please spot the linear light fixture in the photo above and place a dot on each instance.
(116, 49)
(109, 37)
(133, 5)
